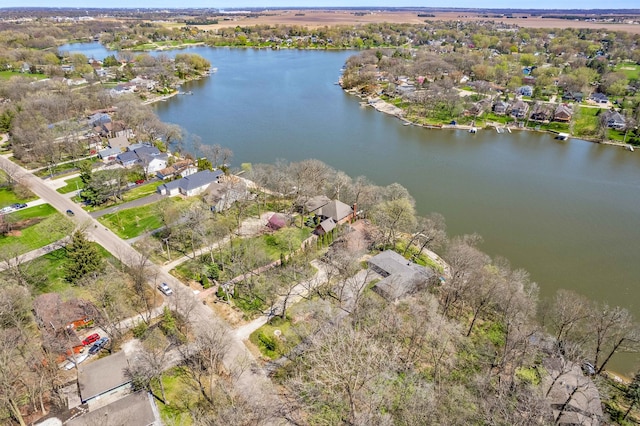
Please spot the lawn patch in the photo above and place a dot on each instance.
(275, 339)
(180, 396)
(8, 197)
(47, 227)
(73, 184)
(130, 223)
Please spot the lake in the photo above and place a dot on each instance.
(566, 211)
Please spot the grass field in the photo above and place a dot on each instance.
(51, 227)
(630, 69)
(180, 397)
(73, 184)
(8, 197)
(6, 75)
(130, 223)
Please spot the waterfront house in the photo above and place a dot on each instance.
(563, 113)
(614, 120)
(519, 109)
(400, 277)
(221, 195)
(336, 210)
(315, 203)
(194, 184)
(541, 112)
(500, 107)
(151, 159)
(180, 168)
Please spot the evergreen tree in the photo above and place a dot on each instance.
(83, 258)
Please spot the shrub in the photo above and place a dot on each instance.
(140, 329)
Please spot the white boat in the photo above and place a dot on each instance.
(562, 136)
(629, 148)
(473, 130)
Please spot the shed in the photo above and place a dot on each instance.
(277, 221)
(325, 226)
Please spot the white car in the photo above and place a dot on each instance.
(165, 289)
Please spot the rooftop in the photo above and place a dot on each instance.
(103, 375)
(136, 409)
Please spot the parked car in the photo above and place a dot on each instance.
(7, 209)
(140, 181)
(90, 339)
(18, 205)
(165, 289)
(70, 213)
(98, 345)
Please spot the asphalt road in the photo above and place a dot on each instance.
(252, 383)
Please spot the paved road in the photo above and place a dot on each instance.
(253, 383)
(134, 203)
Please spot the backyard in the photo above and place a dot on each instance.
(34, 227)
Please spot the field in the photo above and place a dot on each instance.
(48, 226)
(630, 69)
(320, 18)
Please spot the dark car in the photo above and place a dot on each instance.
(70, 213)
(90, 339)
(98, 345)
(18, 205)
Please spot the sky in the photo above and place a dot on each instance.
(221, 4)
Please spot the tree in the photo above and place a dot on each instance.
(83, 258)
(393, 217)
(612, 330)
(632, 394)
(565, 315)
(149, 364)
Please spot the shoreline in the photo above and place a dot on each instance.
(385, 107)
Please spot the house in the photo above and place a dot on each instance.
(315, 203)
(614, 120)
(541, 112)
(400, 277)
(127, 158)
(151, 159)
(519, 109)
(573, 96)
(119, 142)
(108, 154)
(99, 118)
(325, 227)
(222, 194)
(599, 98)
(194, 184)
(336, 210)
(525, 91)
(500, 107)
(103, 377)
(276, 221)
(563, 113)
(51, 313)
(478, 108)
(136, 409)
(179, 168)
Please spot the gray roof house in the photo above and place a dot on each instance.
(500, 107)
(194, 184)
(151, 158)
(519, 109)
(127, 158)
(316, 202)
(120, 142)
(401, 277)
(615, 120)
(336, 210)
(103, 377)
(109, 154)
(136, 409)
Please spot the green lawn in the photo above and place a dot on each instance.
(275, 339)
(50, 227)
(73, 184)
(141, 191)
(630, 69)
(8, 197)
(180, 396)
(6, 75)
(586, 122)
(130, 223)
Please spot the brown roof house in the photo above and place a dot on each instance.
(541, 112)
(401, 277)
(563, 113)
(519, 109)
(222, 194)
